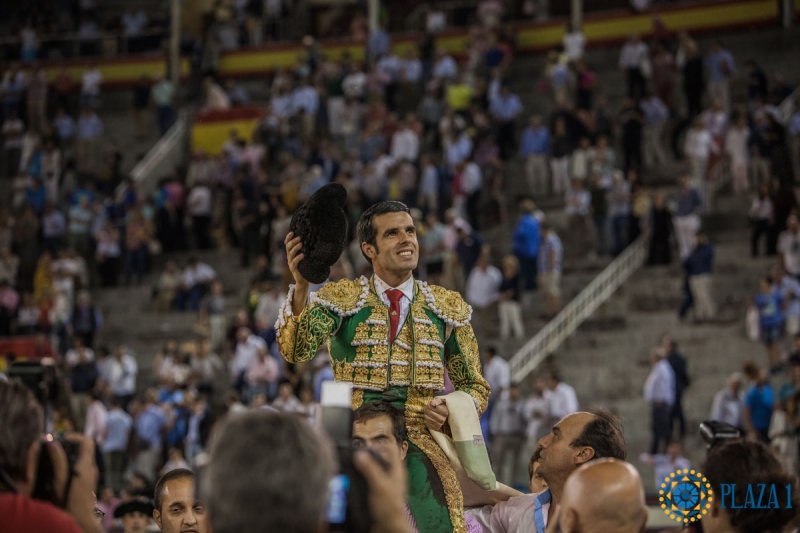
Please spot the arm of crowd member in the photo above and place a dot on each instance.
(79, 502)
(387, 491)
(464, 367)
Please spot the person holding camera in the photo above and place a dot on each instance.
(391, 336)
(270, 471)
(22, 447)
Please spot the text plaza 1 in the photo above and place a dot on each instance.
(760, 496)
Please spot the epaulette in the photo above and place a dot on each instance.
(446, 304)
(344, 297)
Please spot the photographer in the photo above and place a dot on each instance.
(21, 441)
(744, 463)
(270, 472)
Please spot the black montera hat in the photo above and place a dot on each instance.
(321, 224)
(138, 504)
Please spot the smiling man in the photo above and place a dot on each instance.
(393, 337)
(176, 508)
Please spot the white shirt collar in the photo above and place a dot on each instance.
(407, 287)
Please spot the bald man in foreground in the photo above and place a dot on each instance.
(604, 496)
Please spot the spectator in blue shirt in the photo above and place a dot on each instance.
(115, 445)
(505, 109)
(770, 312)
(525, 244)
(719, 68)
(535, 148)
(699, 266)
(379, 43)
(90, 128)
(36, 196)
(759, 402)
(468, 248)
(151, 425)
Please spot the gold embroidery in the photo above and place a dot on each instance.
(464, 368)
(448, 305)
(299, 341)
(401, 357)
(344, 297)
(357, 399)
(419, 435)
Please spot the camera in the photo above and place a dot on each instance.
(348, 511)
(714, 433)
(45, 488)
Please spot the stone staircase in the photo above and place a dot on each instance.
(129, 315)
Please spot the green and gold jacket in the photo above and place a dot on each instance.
(354, 321)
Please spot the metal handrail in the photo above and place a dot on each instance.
(565, 323)
(162, 159)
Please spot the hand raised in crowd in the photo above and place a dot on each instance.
(387, 491)
(79, 502)
(436, 414)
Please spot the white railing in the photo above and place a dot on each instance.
(164, 157)
(553, 335)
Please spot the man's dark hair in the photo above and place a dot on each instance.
(20, 426)
(604, 435)
(367, 232)
(746, 463)
(372, 410)
(172, 475)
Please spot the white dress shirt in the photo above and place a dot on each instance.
(407, 288)
(660, 384)
(482, 286)
(736, 145)
(515, 515)
(563, 401)
(123, 376)
(727, 407)
(632, 55)
(498, 374)
(200, 274)
(405, 145)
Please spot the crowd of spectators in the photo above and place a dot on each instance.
(444, 137)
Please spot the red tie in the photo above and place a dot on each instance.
(394, 312)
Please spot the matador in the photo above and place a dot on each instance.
(393, 337)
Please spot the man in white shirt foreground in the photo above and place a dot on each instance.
(574, 441)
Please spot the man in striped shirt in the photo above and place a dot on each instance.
(382, 427)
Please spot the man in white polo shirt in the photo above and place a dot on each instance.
(196, 278)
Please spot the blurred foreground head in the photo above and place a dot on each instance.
(739, 464)
(267, 472)
(604, 495)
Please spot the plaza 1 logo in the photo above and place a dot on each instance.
(685, 496)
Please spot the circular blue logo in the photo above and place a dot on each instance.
(685, 496)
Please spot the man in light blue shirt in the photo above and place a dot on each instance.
(64, 127)
(656, 115)
(115, 445)
(534, 148)
(90, 128)
(794, 136)
(505, 109)
(379, 43)
(151, 424)
(659, 392)
(719, 68)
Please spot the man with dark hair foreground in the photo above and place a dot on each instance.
(21, 441)
(748, 464)
(382, 427)
(286, 489)
(600, 497)
(177, 510)
(575, 440)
